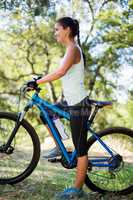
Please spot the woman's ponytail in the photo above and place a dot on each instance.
(77, 31)
(78, 39)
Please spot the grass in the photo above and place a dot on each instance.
(45, 182)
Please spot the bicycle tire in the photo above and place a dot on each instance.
(90, 179)
(29, 133)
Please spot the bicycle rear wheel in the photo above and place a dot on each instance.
(23, 154)
(120, 178)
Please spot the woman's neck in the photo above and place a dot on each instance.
(69, 42)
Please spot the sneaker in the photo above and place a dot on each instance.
(70, 193)
(53, 153)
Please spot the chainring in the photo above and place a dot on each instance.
(65, 163)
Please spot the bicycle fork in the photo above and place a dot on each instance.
(7, 148)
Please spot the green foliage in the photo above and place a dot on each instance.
(109, 18)
(130, 4)
(117, 115)
(28, 47)
(36, 7)
(113, 32)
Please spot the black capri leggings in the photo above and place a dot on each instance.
(79, 114)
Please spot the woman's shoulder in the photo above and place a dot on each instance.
(74, 50)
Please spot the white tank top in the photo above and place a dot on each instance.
(73, 83)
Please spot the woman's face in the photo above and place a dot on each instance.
(61, 33)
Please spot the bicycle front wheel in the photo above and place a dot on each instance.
(118, 179)
(22, 156)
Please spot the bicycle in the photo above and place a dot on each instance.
(109, 151)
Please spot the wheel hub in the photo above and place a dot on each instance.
(8, 150)
(116, 163)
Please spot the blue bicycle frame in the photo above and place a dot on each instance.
(41, 105)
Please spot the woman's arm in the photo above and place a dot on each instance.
(69, 59)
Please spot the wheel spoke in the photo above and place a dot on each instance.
(18, 158)
(119, 178)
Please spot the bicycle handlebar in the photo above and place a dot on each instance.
(25, 88)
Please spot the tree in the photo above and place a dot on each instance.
(28, 41)
(100, 21)
(36, 7)
(28, 49)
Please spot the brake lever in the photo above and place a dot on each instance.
(23, 90)
(37, 77)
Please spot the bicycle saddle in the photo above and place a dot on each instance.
(100, 104)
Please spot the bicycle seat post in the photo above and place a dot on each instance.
(93, 114)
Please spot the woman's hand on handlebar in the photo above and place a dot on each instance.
(32, 84)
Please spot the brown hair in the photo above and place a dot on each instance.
(73, 24)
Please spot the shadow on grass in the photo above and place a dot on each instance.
(45, 182)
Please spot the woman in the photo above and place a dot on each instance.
(71, 72)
